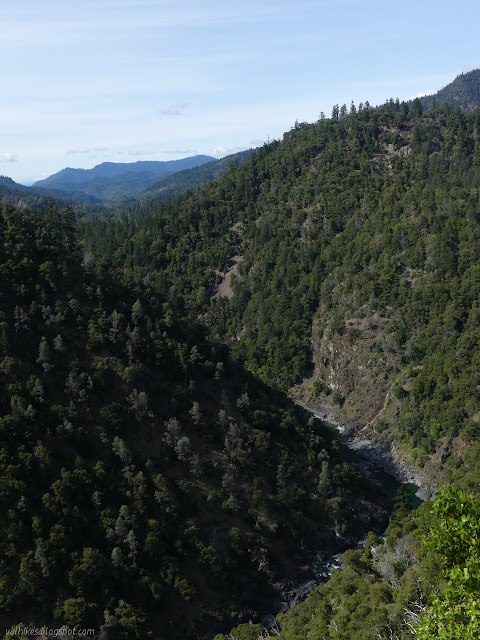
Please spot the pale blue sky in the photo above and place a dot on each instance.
(122, 80)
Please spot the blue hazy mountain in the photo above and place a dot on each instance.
(175, 184)
(110, 180)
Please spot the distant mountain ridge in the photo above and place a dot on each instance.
(21, 196)
(464, 91)
(110, 180)
(157, 180)
(111, 169)
(179, 182)
(5, 181)
(111, 191)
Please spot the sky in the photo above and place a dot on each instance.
(127, 80)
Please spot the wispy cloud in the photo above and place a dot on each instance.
(86, 150)
(174, 109)
(75, 151)
(219, 152)
(139, 152)
(8, 157)
(65, 23)
(176, 152)
(428, 92)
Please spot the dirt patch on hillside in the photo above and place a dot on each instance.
(224, 289)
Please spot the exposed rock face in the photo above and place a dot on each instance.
(352, 376)
(390, 461)
(355, 364)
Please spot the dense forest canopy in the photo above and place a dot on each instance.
(149, 484)
(157, 481)
(375, 212)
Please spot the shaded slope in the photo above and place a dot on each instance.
(373, 216)
(144, 474)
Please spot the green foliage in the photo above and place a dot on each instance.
(455, 614)
(330, 216)
(16, 632)
(119, 445)
(76, 612)
(463, 93)
(151, 466)
(191, 178)
(376, 594)
(394, 588)
(243, 632)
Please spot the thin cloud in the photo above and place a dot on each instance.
(138, 152)
(8, 157)
(176, 152)
(174, 109)
(219, 152)
(71, 152)
(428, 92)
(86, 150)
(112, 19)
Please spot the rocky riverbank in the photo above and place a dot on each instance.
(386, 459)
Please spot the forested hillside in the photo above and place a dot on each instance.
(371, 216)
(463, 92)
(192, 178)
(355, 244)
(150, 486)
(420, 582)
(21, 196)
(114, 190)
(147, 437)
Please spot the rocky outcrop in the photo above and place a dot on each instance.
(355, 366)
(224, 289)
